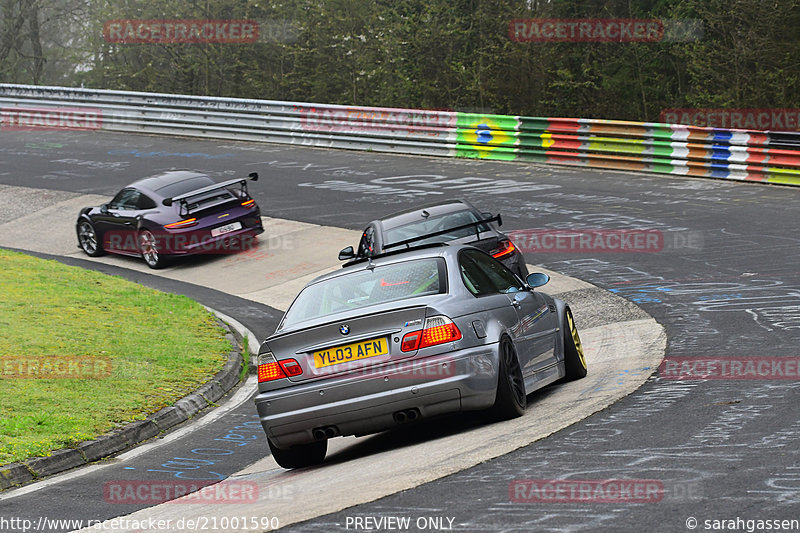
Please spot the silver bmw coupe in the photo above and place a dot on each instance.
(405, 336)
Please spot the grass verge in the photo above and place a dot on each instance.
(64, 321)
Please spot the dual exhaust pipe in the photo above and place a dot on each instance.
(407, 415)
(325, 432)
(401, 417)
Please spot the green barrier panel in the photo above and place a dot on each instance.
(486, 136)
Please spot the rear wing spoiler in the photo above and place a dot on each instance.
(497, 218)
(183, 199)
(355, 260)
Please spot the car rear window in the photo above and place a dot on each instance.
(363, 288)
(184, 186)
(434, 224)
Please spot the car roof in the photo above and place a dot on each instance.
(422, 252)
(401, 218)
(151, 184)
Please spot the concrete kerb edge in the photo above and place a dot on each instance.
(242, 332)
(16, 474)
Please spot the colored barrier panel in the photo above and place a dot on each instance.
(486, 136)
(737, 154)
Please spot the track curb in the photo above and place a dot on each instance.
(15, 474)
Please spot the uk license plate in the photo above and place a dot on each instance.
(351, 352)
(227, 228)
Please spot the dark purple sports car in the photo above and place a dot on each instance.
(174, 213)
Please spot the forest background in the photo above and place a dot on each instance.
(429, 54)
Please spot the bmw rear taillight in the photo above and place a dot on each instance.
(269, 369)
(291, 367)
(410, 341)
(437, 330)
(249, 204)
(188, 223)
(505, 248)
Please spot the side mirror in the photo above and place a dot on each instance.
(104, 209)
(537, 279)
(347, 253)
(253, 176)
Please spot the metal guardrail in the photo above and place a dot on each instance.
(763, 156)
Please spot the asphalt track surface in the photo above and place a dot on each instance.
(726, 284)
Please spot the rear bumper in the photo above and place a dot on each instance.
(364, 404)
(228, 243)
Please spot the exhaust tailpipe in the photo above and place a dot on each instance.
(407, 415)
(325, 432)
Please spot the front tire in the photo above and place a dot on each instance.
(149, 248)
(511, 399)
(574, 359)
(90, 242)
(300, 456)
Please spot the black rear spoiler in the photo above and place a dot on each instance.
(497, 218)
(183, 198)
(355, 260)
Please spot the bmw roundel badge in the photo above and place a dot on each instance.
(344, 329)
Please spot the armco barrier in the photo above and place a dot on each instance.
(762, 156)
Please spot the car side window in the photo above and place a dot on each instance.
(145, 202)
(485, 275)
(125, 199)
(366, 247)
(473, 276)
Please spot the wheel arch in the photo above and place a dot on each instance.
(561, 308)
(85, 217)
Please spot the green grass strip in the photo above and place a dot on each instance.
(159, 347)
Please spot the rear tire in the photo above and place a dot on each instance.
(574, 359)
(148, 247)
(511, 399)
(90, 242)
(300, 456)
